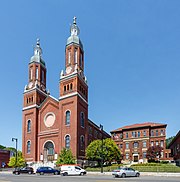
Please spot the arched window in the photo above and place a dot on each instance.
(67, 118)
(30, 74)
(75, 56)
(42, 76)
(82, 119)
(29, 126)
(69, 57)
(65, 88)
(49, 146)
(28, 147)
(67, 141)
(71, 86)
(81, 141)
(37, 73)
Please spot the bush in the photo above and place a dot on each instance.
(164, 162)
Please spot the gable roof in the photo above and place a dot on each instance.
(139, 125)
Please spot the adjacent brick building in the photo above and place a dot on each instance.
(134, 140)
(4, 158)
(50, 124)
(175, 148)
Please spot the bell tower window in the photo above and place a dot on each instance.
(69, 57)
(36, 73)
(75, 56)
(43, 76)
(30, 73)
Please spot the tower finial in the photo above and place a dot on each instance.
(38, 41)
(74, 28)
(74, 20)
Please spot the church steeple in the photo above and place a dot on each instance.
(37, 70)
(74, 51)
(74, 66)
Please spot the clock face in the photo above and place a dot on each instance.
(30, 84)
(68, 69)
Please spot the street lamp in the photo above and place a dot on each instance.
(101, 128)
(15, 139)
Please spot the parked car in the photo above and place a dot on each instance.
(27, 170)
(47, 170)
(72, 170)
(124, 172)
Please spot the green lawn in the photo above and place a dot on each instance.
(142, 168)
(157, 168)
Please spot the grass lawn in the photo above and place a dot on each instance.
(149, 167)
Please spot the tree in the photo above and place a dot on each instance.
(168, 141)
(65, 157)
(110, 151)
(20, 160)
(13, 150)
(154, 152)
(2, 147)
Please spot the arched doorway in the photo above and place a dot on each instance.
(48, 151)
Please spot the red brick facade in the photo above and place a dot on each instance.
(134, 140)
(4, 158)
(175, 148)
(51, 124)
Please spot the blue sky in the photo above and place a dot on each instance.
(132, 58)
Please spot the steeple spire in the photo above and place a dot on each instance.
(74, 28)
(37, 48)
(37, 57)
(74, 20)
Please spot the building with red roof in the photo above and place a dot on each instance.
(134, 141)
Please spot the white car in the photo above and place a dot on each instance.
(124, 172)
(72, 170)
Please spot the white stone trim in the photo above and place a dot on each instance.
(48, 141)
(66, 77)
(66, 135)
(55, 131)
(29, 107)
(54, 98)
(72, 94)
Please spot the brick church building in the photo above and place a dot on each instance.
(51, 124)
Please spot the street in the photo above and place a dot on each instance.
(86, 178)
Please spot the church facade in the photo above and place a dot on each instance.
(51, 124)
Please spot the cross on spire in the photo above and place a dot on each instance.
(74, 20)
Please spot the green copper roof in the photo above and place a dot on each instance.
(74, 29)
(37, 54)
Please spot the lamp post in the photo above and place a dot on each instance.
(101, 128)
(15, 139)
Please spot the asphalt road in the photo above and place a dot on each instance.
(86, 178)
